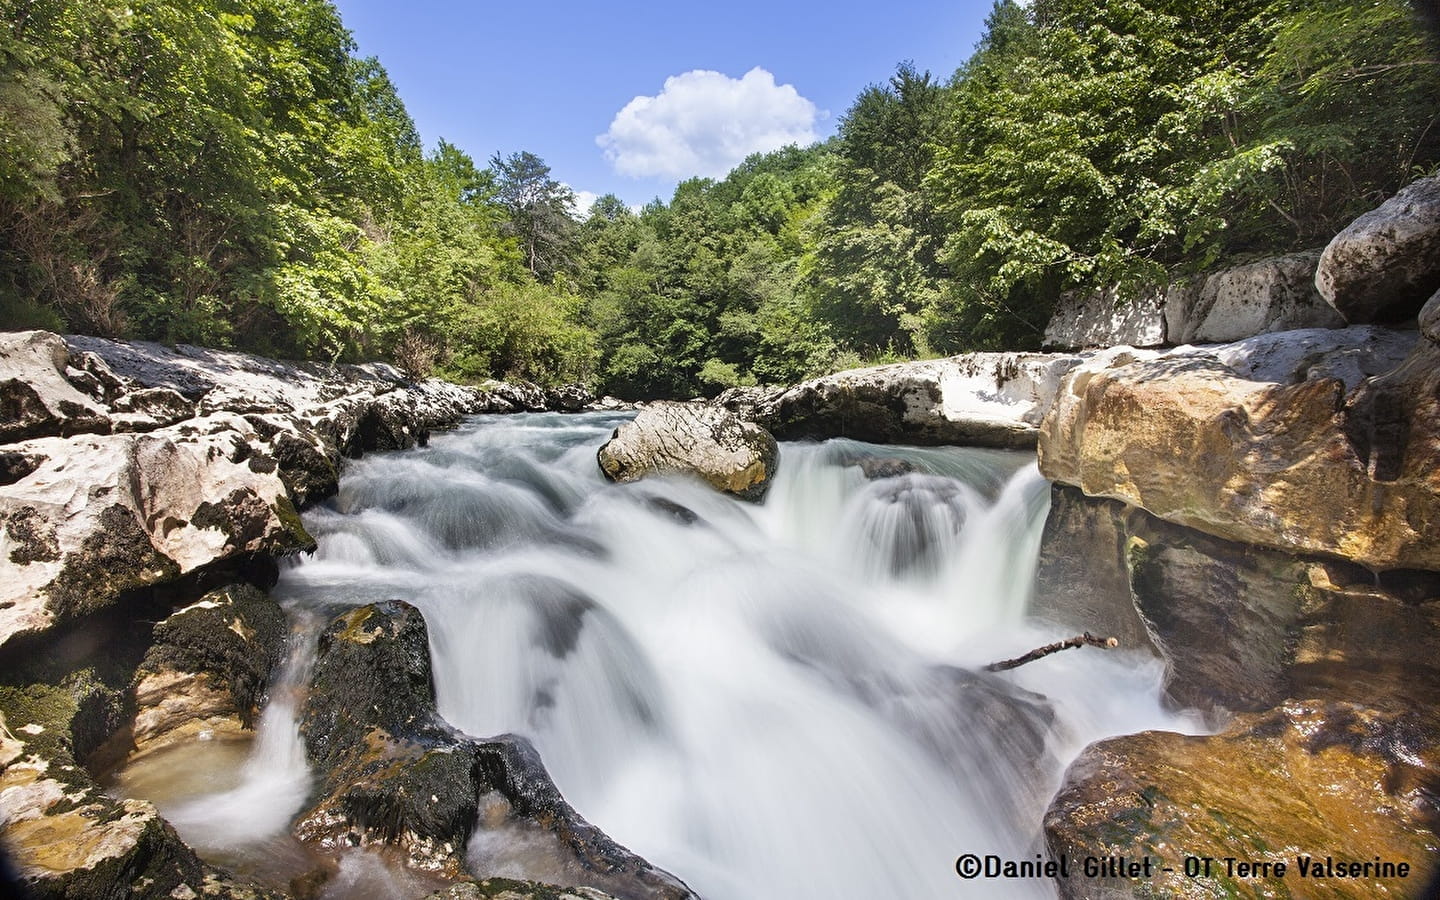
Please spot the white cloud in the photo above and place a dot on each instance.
(580, 209)
(704, 123)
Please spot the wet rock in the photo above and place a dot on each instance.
(1081, 578)
(208, 668)
(66, 837)
(1308, 780)
(1386, 264)
(394, 773)
(878, 467)
(978, 399)
(1107, 318)
(36, 397)
(728, 454)
(1187, 439)
(510, 889)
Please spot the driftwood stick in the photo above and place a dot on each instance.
(1079, 640)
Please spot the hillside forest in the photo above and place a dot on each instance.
(231, 173)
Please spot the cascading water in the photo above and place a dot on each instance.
(770, 701)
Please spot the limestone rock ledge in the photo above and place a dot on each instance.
(128, 465)
(1277, 454)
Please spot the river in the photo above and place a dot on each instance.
(770, 701)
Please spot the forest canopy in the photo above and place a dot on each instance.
(231, 173)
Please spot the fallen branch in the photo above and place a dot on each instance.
(1079, 640)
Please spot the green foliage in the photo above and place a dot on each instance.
(229, 172)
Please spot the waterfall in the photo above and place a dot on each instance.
(770, 701)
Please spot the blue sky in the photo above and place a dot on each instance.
(713, 82)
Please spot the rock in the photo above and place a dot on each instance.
(208, 667)
(394, 773)
(36, 397)
(150, 408)
(1081, 576)
(1240, 627)
(515, 396)
(1349, 355)
(569, 398)
(1279, 465)
(878, 467)
(1106, 318)
(1305, 781)
(1270, 295)
(510, 889)
(391, 772)
(1386, 263)
(1391, 420)
(979, 399)
(730, 455)
(67, 837)
(106, 514)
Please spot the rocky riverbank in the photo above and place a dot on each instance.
(147, 493)
(1260, 514)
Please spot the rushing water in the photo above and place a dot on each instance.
(770, 701)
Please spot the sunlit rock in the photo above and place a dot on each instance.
(1269, 295)
(977, 399)
(1106, 318)
(729, 454)
(37, 397)
(1294, 786)
(1386, 263)
(1279, 464)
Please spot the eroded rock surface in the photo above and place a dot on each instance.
(66, 837)
(729, 454)
(208, 668)
(1269, 295)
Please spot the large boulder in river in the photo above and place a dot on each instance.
(1302, 785)
(731, 455)
(1188, 439)
(392, 772)
(1386, 263)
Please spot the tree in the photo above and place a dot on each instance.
(539, 208)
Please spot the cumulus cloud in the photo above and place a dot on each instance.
(704, 123)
